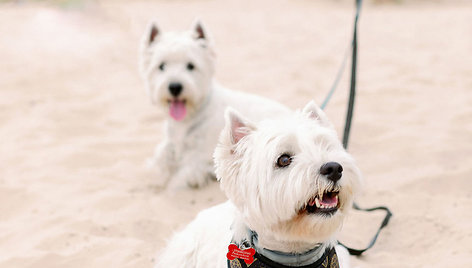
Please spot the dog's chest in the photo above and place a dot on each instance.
(199, 135)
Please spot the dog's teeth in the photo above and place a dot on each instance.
(311, 203)
(317, 202)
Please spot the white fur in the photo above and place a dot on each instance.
(266, 198)
(184, 157)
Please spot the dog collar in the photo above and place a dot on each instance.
(318, 257)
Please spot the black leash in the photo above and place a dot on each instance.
(352, 92)
(347, 126)
(388, 215)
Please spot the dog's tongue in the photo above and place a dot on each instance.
(177, 109)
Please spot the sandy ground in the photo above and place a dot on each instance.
(76, 126)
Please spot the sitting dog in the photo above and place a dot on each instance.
(290, 184)
(178, 70)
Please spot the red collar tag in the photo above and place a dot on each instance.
(235, 252)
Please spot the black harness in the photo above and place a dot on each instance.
(328, 260)
(253, 256)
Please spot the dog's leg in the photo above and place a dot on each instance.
(192, 175)
(162, 162)
(343, 256)
(195, 170)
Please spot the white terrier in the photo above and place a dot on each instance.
(178, 70)
(290, 184)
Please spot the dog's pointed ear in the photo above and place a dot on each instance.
(152, 33)
(150, 37)
(237, 126)
(203, 37)
(314, 112)
(198, 30)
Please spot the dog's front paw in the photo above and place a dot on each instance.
(200, 181)
(343, 256)
(160, 165)
(159, 170)
(191, 178)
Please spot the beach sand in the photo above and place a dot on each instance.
(77, 127)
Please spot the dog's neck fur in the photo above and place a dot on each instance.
(267, 245)
(206, 101)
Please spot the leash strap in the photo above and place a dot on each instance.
(337, 79)
(347, 126)
(385, 221)
(352, 93)
(347, 130)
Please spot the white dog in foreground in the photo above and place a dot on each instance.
(178, 69)
(290, 184)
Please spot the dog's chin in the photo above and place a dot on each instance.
(315, 221)
(325, 205)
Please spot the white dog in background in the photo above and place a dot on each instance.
(290, 184)
(178, 70)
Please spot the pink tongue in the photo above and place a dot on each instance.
(328, 200)
(177, 110)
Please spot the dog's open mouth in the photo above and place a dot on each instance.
(328, 203)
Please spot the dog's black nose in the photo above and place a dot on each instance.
(332, 170)
(175, 88)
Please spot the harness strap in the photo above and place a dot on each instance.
(328, 259)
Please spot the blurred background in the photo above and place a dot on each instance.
(76, 126)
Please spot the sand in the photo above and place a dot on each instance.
(76, 126)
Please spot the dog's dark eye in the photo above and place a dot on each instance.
(284, 160)
(190, 66)
(162, 66)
